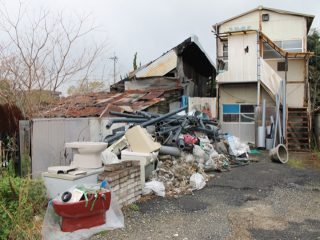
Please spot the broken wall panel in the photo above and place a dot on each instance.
(206, 105)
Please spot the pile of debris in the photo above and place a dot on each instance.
(189, 145)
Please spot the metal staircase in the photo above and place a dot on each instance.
(298, 129)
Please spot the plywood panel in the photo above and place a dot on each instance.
(242, 65)
(295, 95)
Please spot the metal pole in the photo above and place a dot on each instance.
(284, 104)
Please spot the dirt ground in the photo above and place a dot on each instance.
(263, 200)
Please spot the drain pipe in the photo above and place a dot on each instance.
(284, 104)
(158, 119)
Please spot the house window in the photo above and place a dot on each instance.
(238, 113)
(287, 45)
(269, 52)
(290, 45)
(265, 17)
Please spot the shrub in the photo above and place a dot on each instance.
(22, 206)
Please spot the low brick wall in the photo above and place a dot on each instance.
(124, 179)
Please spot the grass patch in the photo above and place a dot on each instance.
(134, 207)
(295, 163)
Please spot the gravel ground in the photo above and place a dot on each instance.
(263, 200)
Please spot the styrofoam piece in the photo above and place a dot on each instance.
(140, 141)
(145, 158)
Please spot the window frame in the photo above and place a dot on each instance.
(238, 113)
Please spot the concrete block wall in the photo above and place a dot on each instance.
(124, 179)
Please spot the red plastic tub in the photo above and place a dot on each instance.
(77, 216)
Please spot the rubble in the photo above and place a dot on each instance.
(191, 143)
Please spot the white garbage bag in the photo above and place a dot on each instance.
(157, 187)
(197, 181)
(109, 157)
(237, 148)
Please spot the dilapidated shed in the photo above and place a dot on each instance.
(185, 66)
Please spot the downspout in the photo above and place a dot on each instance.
(258, 58)
(284, 104)
(217, 72)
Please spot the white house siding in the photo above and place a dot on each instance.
(248, 21)
(285, 27)
(296, 69)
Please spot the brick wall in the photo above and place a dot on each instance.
(124, 179)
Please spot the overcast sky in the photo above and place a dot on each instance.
(152, 27)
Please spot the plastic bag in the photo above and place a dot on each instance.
(109, 157)
(198, 152)
(157, 187)
(197, 181)
(51, 224)
(236, 148)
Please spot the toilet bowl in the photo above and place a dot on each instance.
(83, 214)
(87, 154)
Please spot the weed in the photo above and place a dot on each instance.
(134, 207)
(22, 206)
(295, 163)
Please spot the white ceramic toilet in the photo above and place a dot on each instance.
(87, 162)
(86, 154)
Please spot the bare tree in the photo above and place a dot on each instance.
(41, 51)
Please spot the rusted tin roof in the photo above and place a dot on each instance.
(99, 104)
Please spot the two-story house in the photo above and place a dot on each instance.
(255, 51)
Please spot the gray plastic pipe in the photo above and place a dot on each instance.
(168, 150)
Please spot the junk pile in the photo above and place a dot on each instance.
(188, 145)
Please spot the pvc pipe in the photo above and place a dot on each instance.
(277, 121)
(120, 114)
(152, 121)
(111, 139)
(181, 144)
(124, 120)
(168, 150)
(145, 114)
(264, 113)
(284, 111)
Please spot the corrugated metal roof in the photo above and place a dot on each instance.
(99, 104)
(160, 66)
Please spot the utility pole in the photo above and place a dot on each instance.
(115, 60)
